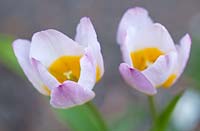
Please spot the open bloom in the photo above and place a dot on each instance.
(151, 59)
(61, 68)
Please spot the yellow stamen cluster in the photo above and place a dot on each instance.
(66, 68)
(141, 59)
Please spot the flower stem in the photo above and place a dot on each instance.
(152, 107)
(82, 118)
(98, 115)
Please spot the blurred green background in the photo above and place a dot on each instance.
(22, 108)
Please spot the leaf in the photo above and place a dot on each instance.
(163, 119)
(82, 118)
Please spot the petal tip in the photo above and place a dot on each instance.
(187, 38)
(19, 41)
(137, 10)
(85, 20)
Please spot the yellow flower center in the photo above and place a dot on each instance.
(141, 59)
(68, 68)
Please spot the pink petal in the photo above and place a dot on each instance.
(136, 18)
(50, 44)
(86, 35)
(158, 72)
(49, 80)
(21, 50)
(70, 94)
(136, 79)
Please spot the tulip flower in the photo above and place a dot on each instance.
(59, 67)
(151, 59)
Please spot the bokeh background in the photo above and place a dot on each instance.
(22, 108)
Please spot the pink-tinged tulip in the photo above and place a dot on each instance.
(151, 59)
(61, 68)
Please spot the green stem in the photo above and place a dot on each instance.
(152, 107)
(82, 118)
(98, 115)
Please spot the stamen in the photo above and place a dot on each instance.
(143, 58)
(66, 68)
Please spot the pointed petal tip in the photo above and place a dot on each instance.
(86, 21)
(186, 39)
(137, 10)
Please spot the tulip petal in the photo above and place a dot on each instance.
(136, 18)
(50, 81)
(183, 53)
(156, 36)
(21, 50)
(70, 94)
(163, 67)
(88, 74)
(136, 79)
(50, 44)
(126, 54)
(86, 36)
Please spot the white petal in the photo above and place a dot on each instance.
(135, 18)
(86, 35)
(48, 45)
(49, 80)
(88, 72)
(183, 53)
(21, 50)
(156, 35)
(126, 54)
(163, 67)
(85, 32)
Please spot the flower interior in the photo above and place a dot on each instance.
(66, 68)
(143, 58)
